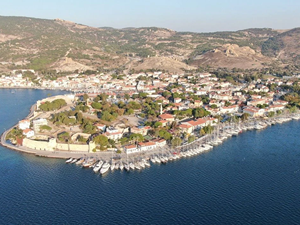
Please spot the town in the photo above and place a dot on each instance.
(144, 112)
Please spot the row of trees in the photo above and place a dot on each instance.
(54, 105)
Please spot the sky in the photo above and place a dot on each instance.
(178, 15)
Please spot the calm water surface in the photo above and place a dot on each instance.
(250, 179)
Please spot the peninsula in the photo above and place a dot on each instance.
(147, 114)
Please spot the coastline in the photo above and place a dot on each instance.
(59, 154)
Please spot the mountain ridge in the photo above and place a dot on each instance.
(41, 43)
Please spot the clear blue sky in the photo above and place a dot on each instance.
(179, 15)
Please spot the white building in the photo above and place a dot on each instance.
(131, 149)
(24, 124)
(28, 133)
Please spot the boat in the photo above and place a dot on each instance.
(157, 159)
(105, 168)
(88, 162)
(69, 160)
(153, 159)
(117, 166)
(74, 160)
(126, 167)
(98, 166)
(146, 162)
(80, 161)
(142, 164)
(131, 165)
(112, 166)
(121, 166)
(137, 166)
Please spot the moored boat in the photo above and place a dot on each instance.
(98, 166)
(69, 160)
(105, 168)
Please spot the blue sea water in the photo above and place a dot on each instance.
(250, 179)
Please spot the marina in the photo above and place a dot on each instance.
(168, 155)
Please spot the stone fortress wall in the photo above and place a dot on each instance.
(52, 145)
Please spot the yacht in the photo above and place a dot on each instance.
(104, 168)
(117, 166)
(98, 166)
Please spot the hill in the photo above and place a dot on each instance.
(61, 45)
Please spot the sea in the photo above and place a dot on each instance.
(253, 178)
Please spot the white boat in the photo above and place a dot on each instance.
(98, 166)
(146, 162)
(137, 166)
(141, 163)
(112, 166)
(131, 165)
(88, 162)
(80, 161)
(74, 160)
(157, 159)
(121, 166)
(153, 159)
(117, 166)
(105, 168)
(126, 167)
(69, 160)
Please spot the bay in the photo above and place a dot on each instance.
(250, 179)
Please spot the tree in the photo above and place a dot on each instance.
(123, 140)
(191, 138)
(101, 140)
(208, 129)
(136, 137)
(213, 106)
(45, 127)
(202, 132)
(176, 141)
(127, 96)
(200, 112)
(157, 124)
(85, 97)
(245, 116)
(96, 105)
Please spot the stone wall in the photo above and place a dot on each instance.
(52, 145)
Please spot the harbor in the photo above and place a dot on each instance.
(104, 163)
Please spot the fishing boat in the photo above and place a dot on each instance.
(80, 161)
(88, 162)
